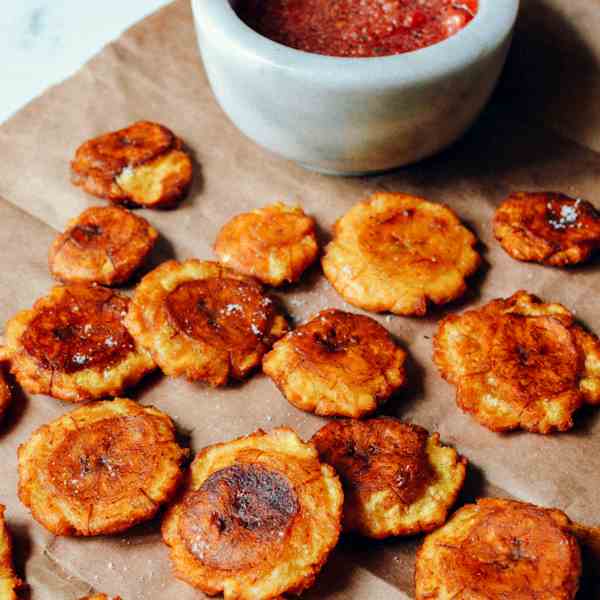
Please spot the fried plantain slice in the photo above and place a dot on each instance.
(258, 518)
(100, 469)
(104, 244)
(5, 394)
(395, 252)
(275, 244)
(100, 597)
(9, 582)
(397, 479)
(519, 363)
(73, 345)
(337, 364)
(204, 321)
(499, 549)
(548, 228)
(142, 164)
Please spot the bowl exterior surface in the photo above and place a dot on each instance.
(351, 116)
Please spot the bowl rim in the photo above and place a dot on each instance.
(490, 28)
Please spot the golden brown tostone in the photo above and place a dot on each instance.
(519, 363)
(100, 469)
(104, 245)
(548, 228)
(397, 479)
(397, 253)
(258, 518)
(337, 363)
(73, 345)
(499, 549)
(275, 244)
(142, 164)
(204, 321)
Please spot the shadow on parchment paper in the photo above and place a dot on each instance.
(197, 186)
(590, 580)
(310, 282)
(586, 419)
(436, 312)
(391, 560)
(306, 283)
(590, 587)
(324, 236)
(591, 264)
(143, 534)
(334, 577)
(163, 250)
(475, 486)
(499, 154)
(17, 407)
(145, 385)
(142, 389)
(22, 551)
(405, 398)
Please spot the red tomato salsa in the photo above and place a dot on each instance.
(357, 28)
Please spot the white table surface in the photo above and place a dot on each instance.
(42, 42)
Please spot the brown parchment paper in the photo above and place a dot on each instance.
(541, 132)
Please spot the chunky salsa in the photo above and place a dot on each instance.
(357, 28)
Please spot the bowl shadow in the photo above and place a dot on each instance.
(548, 60)
(528, 128)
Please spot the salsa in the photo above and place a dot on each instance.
(357, 28)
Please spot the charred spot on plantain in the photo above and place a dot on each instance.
(329, 341)
(360, 454)
(82, 235)
(523, 355)
(260, 499)
(239, 516)
(413, 476)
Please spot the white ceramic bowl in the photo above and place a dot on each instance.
(353, 115)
